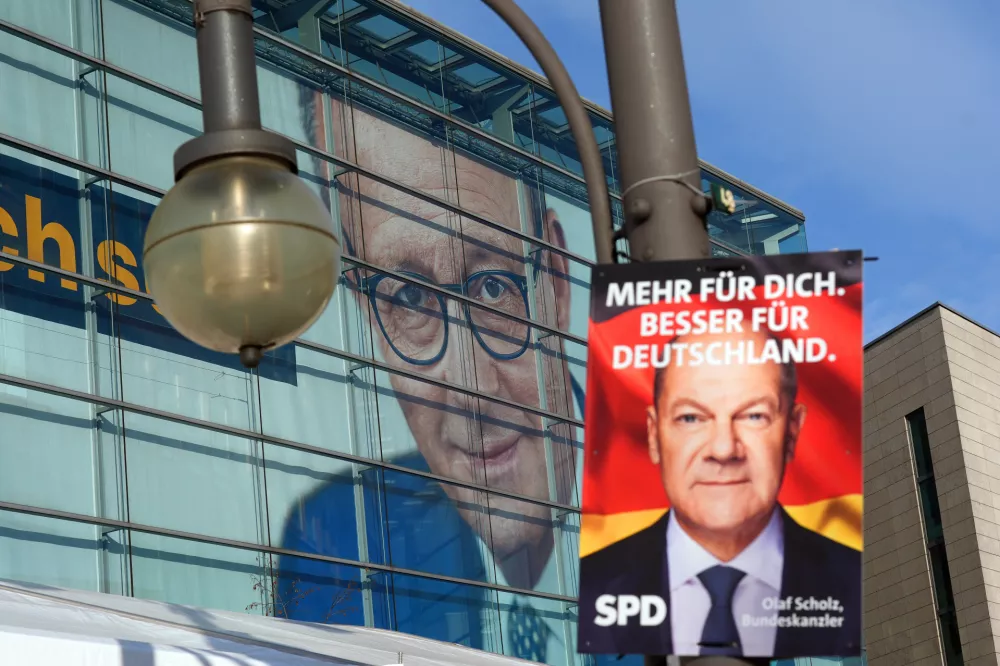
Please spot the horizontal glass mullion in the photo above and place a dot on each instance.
(359, 262)
(193, 102)
(112, 403)
(12, 507)
(104, 285)
(304, 54)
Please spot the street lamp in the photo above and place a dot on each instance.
(240, 256)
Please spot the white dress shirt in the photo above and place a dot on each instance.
(762, 562)
(557, 577)
(556, 649)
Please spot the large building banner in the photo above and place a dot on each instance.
(722, 492)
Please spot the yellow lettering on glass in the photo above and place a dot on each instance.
(106, 253)
(8, 227)
(39, 233)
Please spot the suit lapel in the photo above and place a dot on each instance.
(666, 629)
(795, 581)
(655, 576)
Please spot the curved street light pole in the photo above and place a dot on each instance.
(660, 179)
(576, 115)
(665, 209)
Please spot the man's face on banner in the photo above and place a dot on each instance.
(722, 435)
(420, 331)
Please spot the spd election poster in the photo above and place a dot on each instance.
(722, 492)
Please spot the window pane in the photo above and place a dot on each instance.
(40, 87)
(429, 531)
(49, 453)
(446, 612)
(315, 403)
(536, 629)
(193, 480)
(157, 49)
(55, 552)
(932, 509)
(198, 574)
(317, 505)
(942, 577)
(43, 316)
(951, 639)
(921, 446)
(311, 591)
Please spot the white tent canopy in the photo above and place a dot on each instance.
(46, 626)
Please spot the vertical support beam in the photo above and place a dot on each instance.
(309, 27)
(228, 76)
(660, 176)
(503, 119)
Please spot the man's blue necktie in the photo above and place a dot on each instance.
(527, 632)
(720, 636)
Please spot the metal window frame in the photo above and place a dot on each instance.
(114, 403)
(446, 33)
(177, 96)
(107, 174)
(124, 406)
(105, 287)
(270, 550)
(441, 31)
(915, 424)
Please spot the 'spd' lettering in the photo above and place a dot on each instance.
(650, 609)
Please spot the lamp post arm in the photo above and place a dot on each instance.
(576, 114)
(230, 102)
(664, 208)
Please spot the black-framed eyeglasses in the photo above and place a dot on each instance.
(415, 320)
(513, 345)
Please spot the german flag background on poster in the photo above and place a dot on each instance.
(722, 491)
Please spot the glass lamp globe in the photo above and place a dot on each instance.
(241, 256)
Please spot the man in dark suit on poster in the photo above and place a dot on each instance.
(737, 576)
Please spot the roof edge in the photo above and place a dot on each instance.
(538, 79)
(930, 308)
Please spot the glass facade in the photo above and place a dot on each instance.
(412, 463)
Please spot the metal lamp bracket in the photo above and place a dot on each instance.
(233, 142)
(204, 7)
(230, 106)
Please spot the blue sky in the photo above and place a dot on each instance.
(879, 120)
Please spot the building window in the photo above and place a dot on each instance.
(916, 424)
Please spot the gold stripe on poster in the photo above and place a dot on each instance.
(838, 519)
